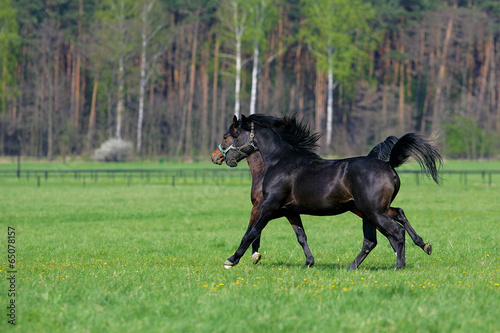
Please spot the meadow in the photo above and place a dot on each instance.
(113, 256)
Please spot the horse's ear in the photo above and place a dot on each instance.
(243, 119)
(235, 121)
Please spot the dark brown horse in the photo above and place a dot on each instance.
(381, 151)
(290, 194)
(257, 170)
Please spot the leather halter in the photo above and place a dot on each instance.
(240, 148)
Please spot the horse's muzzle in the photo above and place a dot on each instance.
(232, 163)
(217, 157)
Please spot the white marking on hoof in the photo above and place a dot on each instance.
(228, 266)
(256, 257)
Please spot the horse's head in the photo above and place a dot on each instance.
(237, 143)
(218, 154)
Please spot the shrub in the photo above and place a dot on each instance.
(466, 139)
(114, 150)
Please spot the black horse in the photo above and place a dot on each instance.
(381, 151)
(297, 181)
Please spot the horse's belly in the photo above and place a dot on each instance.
(321, 208)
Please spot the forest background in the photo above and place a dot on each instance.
(168, 75)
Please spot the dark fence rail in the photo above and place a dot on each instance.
(179, 176)
(169, 176)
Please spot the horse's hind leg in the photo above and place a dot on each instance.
(394, 232)
(398, 215)
(297, 226)
(369, 243)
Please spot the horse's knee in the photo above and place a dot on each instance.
(369, 245)
(253, 235)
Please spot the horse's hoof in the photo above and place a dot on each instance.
(428, 248)
(256, 257)
(228, 264)
(351, 267)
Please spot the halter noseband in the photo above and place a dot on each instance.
(240, 148)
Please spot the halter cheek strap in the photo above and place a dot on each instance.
(240, 148)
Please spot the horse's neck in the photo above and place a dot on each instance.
(272, 148)
(256, 165)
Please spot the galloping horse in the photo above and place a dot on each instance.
(381, 151)
(297, 181)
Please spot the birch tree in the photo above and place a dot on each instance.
(115, 16)
(263, 14)
(337, 32)
(151, 25)
(234, 17)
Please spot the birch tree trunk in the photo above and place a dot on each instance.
(119, 105)
(142, 84)
(255, 77)
(329, 105)
(239, 29)
(148, 32)
(238, 76)
(121, 70)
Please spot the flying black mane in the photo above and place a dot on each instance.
(291, 130)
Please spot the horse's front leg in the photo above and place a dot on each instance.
(266, 214)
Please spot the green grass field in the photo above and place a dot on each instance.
(147, 257)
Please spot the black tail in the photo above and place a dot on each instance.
(382, 151)
(422, 150)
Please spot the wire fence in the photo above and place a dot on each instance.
(176, 177)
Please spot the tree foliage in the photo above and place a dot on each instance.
(70, 72)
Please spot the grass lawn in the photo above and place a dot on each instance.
(147, 257)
